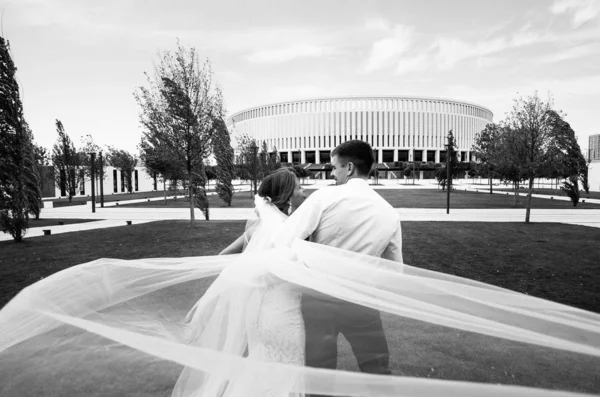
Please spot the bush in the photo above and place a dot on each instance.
(571, 188)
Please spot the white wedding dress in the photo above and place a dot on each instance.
(273, 320)
(275, 328)
(116, 327)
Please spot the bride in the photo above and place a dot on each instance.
(273, 318)
(136, 327)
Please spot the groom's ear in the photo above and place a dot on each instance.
(350, 168)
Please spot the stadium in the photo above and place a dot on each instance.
(401, 129)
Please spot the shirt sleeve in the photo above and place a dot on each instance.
(393, 251)
(302, 223)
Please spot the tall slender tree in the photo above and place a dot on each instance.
(275, 158)
(177, 111)
(224, 156)
(68, 163)
(88, 146)
(441, 173)
(265, 164)
(43, 171)
(19, 189)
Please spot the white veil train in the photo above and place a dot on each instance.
(162, 326)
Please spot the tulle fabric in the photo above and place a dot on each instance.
(168, 326)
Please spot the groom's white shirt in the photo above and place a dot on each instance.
(350, 216)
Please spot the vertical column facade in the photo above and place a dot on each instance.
(387, 123)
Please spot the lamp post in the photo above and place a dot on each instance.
(449, 148)
(93, 180)
(101, 181)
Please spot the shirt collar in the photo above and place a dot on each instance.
(357, 181)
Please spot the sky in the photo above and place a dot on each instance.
(80, 61)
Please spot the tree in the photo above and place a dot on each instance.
(41, 162)
(508, 159)
(266, 163)
(565, 157)
(88, 146)
(19, 189)
(68, 163)
(210, 172)
(177, 110)
(375, 174)
(159, 160)
(476, 170)
(529, 128)
(124, 162)
(224, 156)
(407, 173)
(275, 159)
(485, 149)
(441, 173)
(247, 160)
(300, 172)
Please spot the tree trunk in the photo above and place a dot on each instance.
(516, 189)
(491, 190)
(528, 211)
(165, 190)
(191, 197)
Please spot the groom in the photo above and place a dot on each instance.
(354, 217)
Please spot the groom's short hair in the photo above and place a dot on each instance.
(360, 153)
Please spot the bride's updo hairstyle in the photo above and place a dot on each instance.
(279, 187)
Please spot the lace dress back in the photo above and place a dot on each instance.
(275, 328)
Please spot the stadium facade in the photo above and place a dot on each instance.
(594, 148)
(400, 128)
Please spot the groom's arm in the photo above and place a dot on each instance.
(393, 251)
(302, 223)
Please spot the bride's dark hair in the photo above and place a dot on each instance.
(279, 187)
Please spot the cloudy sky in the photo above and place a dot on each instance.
(80, 60)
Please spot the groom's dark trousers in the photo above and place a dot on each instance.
(326, 317)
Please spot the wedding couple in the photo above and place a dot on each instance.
(296, 327)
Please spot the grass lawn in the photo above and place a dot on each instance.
(553, 261)
(404, 198)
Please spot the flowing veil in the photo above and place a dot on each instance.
(179, 326)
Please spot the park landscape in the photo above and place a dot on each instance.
(523, 217)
